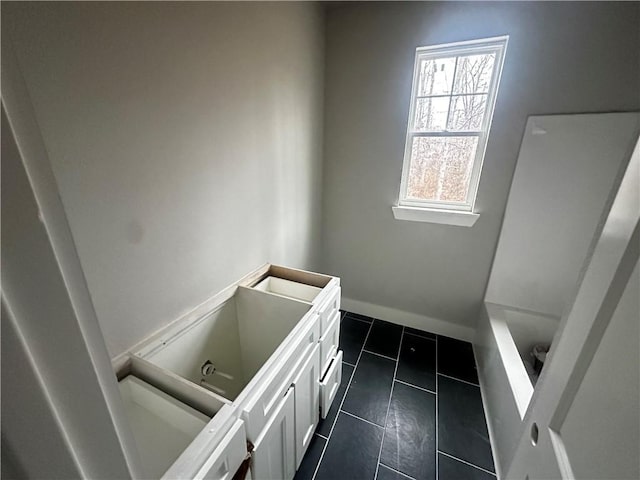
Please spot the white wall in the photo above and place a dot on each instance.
(186, 142)
(566, 172)
(562, 57)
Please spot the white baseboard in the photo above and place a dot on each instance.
(408, 319)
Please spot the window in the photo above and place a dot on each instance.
(452, 100)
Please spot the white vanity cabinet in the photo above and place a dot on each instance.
(261, 359)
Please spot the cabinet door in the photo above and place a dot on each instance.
(274, 452)
(306, 392)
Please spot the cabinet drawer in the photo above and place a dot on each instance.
(262, 404)
(328, 309)
(329, 384)
(329, 343)
(227, 457)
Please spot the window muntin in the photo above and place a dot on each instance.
(452, 100)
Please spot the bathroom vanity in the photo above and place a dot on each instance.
(257, 364)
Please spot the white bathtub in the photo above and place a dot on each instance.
(505, 336)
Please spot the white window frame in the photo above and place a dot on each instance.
(409, 207)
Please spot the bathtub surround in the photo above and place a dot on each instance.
(566, 172)
(571, 211)
(593, 363)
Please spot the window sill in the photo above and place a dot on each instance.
(446, 217)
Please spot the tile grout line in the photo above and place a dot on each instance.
(380, 355)
(467, 463)
(359, 418)
(386, 417)
(415, 386)
(350, 364)
(458, 379)
(346, 390)
(358, 319)
(394, 470)
(321, 436)
(437, 414)
(419, 336)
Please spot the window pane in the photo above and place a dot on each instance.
(467, 112)
(431, 114)
(440, 168)
(473, 74)
(436, 76)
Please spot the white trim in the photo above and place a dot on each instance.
(456, 48)
(115, 435)
(409, 319)
(497, 45)
(431, 215)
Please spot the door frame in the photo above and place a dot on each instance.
(603, 281)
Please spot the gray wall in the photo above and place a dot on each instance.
(561, 58)
(186, 140)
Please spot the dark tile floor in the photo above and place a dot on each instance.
(409, 406)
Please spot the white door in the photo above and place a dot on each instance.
(307, 408)
(274, 451)
(584, 419)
